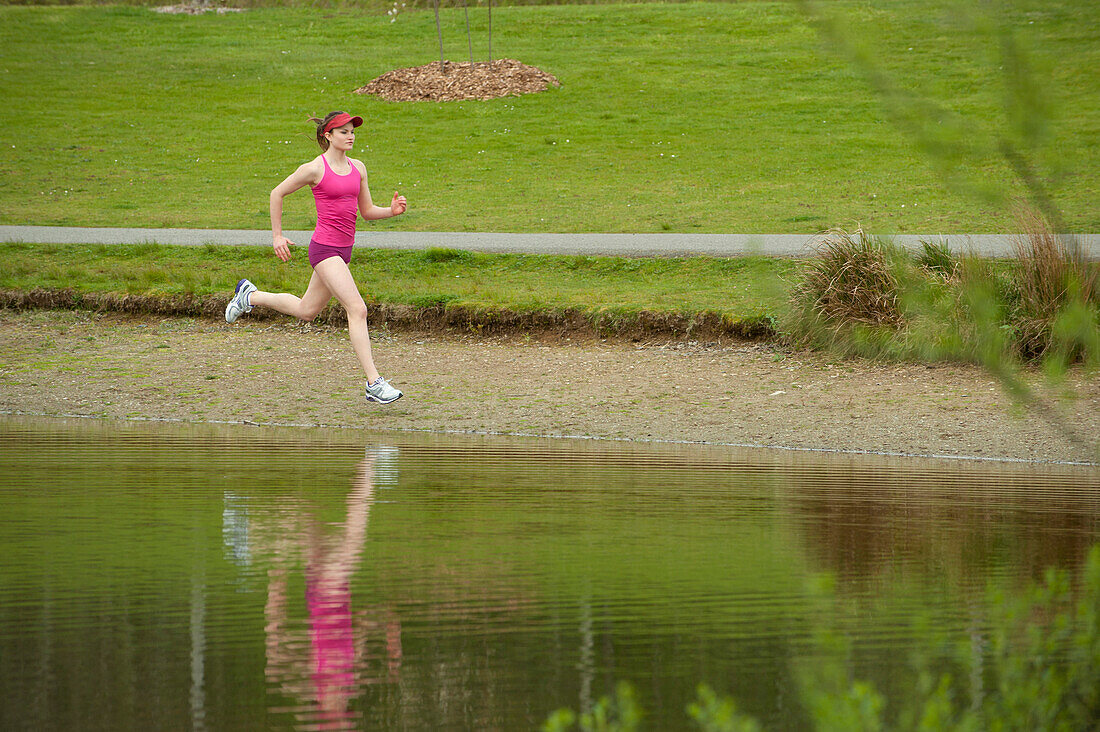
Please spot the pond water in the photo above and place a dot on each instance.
(234, 577)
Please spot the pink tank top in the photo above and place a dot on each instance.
(337, 198)
(332, 638)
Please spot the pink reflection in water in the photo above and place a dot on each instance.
(327, 665)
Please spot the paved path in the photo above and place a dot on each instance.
(628, 245)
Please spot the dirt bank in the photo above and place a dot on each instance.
(557, 324)
(65, 362)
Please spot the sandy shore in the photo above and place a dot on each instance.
(77, 363)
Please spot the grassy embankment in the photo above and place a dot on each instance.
(696, 117)
(702, 296)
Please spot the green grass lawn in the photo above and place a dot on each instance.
(697, 117)
(741, 289)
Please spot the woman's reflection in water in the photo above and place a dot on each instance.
(329, 664)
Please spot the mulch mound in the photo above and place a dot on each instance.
(455, 81)
(195, 8)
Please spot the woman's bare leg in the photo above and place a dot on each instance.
(306, 307)
(338, 280)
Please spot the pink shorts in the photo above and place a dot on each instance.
(321, 252)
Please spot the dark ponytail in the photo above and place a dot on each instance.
(321, 139)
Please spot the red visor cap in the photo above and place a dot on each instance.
(342, 119)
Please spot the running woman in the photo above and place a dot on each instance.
(340, 189)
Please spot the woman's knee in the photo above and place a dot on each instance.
(309, 313)
(356, 312)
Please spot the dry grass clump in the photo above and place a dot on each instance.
(852, 279)
(937, 258)
(456, 81)
(1051, 274)
(864, 296)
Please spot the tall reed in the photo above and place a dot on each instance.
(1051, 275)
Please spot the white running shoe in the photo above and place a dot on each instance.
(239, 305)
(381, 391)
